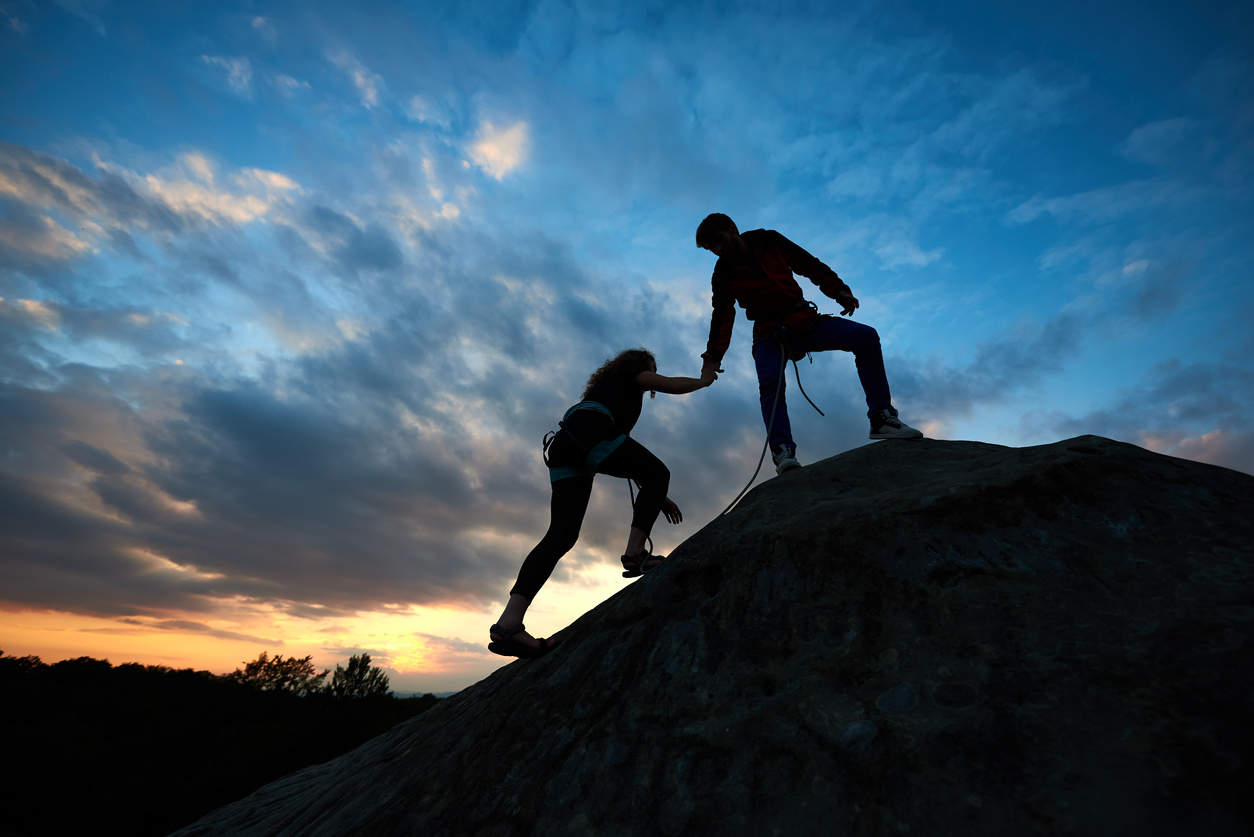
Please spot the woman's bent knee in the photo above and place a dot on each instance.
(658, 479)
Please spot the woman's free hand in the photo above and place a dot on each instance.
(672, 512)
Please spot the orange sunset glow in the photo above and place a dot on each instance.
(424, 649)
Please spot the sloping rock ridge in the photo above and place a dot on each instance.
(947, 638)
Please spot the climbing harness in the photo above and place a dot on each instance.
(592, 458)
(786, 354)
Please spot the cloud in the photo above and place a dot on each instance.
(1003, 108)
(265, 28)
(147, 627)
(42, 182)
(31, 310)
(95, 459)
(289, 86)
(1157, 143)
(1012, 362)
(91, 11)
(1192, 410)
(895, 250)
(15, 23)
(499, 151)
(239, 73)
(368, 84)
(352, 247)
(423, 109)
(1111, 203)
(1227, 448)
(394, 464)
(400, 424)
(43, 194)
(1020, 359)
(455, 646)
(28, 238)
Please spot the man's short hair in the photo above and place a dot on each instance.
(714, 222)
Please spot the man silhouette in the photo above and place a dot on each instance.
(756, 270)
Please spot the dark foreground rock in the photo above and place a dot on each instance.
(932, 637)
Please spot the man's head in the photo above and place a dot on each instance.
(718, 234)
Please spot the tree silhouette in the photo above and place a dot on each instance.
(277, 674)
(359, 680)
(154, 748)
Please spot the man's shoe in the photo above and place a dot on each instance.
(785, 459)
(886, 425)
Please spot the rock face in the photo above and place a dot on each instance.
(933, 637)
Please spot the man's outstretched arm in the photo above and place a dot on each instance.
(722, 320)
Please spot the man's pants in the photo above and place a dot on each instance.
(829, 333)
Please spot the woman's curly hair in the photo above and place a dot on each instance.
(615, 363)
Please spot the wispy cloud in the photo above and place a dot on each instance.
(369, 85)
(288, 85)
(92, 11)
(265, 28)
(1157, 142)
(239, 72)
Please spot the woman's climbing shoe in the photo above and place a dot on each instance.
(635, 565)
(507, 646)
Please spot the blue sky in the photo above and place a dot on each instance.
(291, 291)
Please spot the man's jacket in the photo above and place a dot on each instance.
(764, 286)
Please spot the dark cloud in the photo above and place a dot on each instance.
(38, 180)
(181, 626)
(308, 486)
(1021, 359)
(1160, 291)
(1008, 364)
(95, 459)
(1198, 411)
(355, 248)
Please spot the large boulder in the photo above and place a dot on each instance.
(927, 637)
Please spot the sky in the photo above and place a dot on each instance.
(291, 291)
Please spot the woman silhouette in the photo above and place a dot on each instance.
(594, 439)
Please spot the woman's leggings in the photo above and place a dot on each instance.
(632, 460)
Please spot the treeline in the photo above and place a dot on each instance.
(93, 748)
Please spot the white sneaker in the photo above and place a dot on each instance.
(785, 459)
(887, 426)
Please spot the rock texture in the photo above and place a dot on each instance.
(933, 638)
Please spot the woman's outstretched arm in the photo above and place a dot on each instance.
(675, 386)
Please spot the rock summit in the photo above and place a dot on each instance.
(935, 637)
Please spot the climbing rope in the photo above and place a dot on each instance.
(779, 388)
(783, 365)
